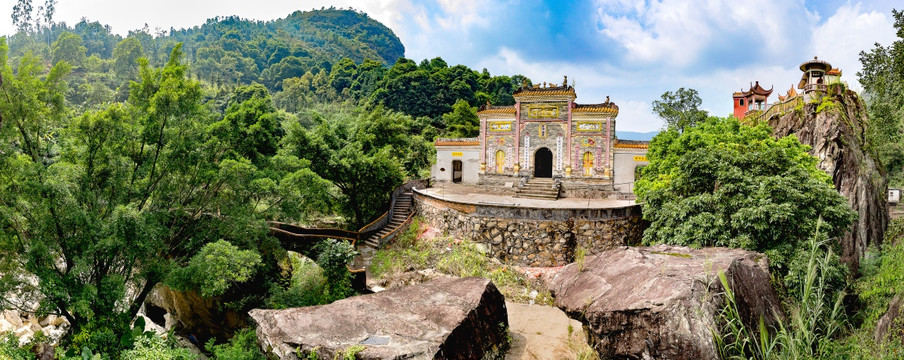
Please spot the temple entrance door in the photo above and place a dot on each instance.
(456, 171)
(543, 163)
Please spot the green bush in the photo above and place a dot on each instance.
(815, 318)
(215, 268)
(883, 276)
(154, 347)
(10, 350)
(333, 258)
(242, 346)
(307, 286)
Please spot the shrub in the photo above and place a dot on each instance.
(333, 258)
(154, 347)
(10, 350)
(242, 346)
(307, 286)
(215, 268)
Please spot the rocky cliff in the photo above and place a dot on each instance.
(835, 127)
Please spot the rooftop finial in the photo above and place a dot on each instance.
(565, 82)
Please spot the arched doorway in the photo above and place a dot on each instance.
(543, 163)
(456, 171)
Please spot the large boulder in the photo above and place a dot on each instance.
(441, 319)
(837, 136)
(662, 302)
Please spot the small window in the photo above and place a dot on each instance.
(741, 102)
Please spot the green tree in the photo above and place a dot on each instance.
(251, 125)
(882, 78)
(102, 207)
(724, 184)
(680, 109)
(69, 47)
(462, 121)
(360, 154)
(125, 58)
(22, 15)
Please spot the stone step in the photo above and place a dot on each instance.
(537, 196)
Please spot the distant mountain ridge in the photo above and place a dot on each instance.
(631, 135)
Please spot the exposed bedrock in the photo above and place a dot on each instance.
(837, 135)
(662, 302)
(445, 318)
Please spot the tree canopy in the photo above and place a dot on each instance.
(724, 184)
(680, 109)
(882, 78)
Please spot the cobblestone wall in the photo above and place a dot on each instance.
(515, 236)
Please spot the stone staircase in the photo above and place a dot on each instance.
(400, 213)
(539, 188)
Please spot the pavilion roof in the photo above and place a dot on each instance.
(815, 64)
(755, 89)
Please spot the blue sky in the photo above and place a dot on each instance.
(632, 51)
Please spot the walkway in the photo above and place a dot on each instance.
(480, 195)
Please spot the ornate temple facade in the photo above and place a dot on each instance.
(546, 134)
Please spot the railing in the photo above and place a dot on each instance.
(392, 234)
(383, 220)
(779, 108)
(817, 87)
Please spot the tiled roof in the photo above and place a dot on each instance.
(815, 64)
(456, 142)
(632, 144)
(490, 109)
(755, 89)
(607, 107)
(537, 90)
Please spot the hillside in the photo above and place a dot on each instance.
(232, 50)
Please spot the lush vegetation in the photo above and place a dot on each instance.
(721, 183)
(157, 158)
(882, 78)
(411, 252)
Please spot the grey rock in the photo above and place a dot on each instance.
(441, 319)
(662, 302)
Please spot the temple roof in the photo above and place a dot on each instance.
(815, 64)
(456, 142)
(834, 72)
(537, 90)
(493, 109)
(790, 94)
(606, 107)
(755, 89)
(632, 144)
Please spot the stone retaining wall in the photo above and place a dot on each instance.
(533, 236)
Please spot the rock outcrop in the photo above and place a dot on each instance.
(837, 135)
(662, 302)
(441, 319)
(191, 314)
(890, 325)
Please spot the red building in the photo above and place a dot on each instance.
(754, 98)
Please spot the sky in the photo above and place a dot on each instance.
(631, 51)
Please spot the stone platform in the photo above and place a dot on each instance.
(530, 232)
(481, 195)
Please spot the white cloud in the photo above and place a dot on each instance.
(637, 116)
(679, 31)
(842, 36)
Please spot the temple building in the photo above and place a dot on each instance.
(546, 134)
(754, 99)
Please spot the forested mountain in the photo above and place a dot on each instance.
(327, 55)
